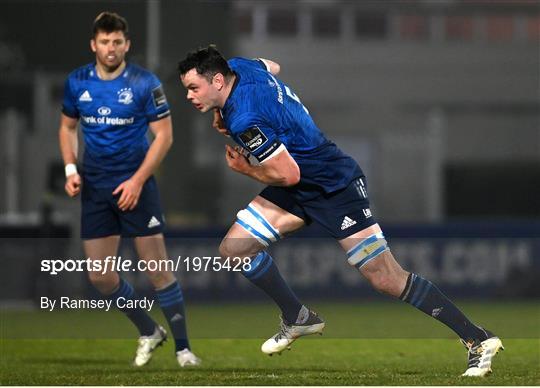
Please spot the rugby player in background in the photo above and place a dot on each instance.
(116, 103)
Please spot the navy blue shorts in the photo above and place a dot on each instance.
(341, 213)
(101, 217)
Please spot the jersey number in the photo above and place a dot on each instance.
(295, 97)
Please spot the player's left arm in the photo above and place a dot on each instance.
(272, 66)
(279, 170)
(131, 189)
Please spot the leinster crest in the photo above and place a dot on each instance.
(125, 96)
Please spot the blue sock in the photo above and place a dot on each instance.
(426, 297)
(171, 302)
(265, 275)
(140, 318)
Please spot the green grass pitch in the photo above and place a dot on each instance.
(367, 343)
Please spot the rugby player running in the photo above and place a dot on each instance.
(309, 180)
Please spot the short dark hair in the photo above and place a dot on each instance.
(110, 22)
(207, 61)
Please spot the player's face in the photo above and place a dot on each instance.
(201, 93)
(110, 49)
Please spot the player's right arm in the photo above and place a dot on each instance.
(279, 170)
(67, 135)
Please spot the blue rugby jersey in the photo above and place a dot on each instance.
(262, 113)
(114, 116)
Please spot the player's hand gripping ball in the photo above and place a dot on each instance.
(219, 125)
(236, 159)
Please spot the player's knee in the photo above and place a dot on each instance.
(383, 283)
(236, 247)
(96, 278)
(160, 279)
(374, 260)
(226, 248)
(387, 280)
(104, 283)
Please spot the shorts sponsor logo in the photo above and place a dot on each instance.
(153, 222)
(253, 138)
(367, 213)
(347, 223)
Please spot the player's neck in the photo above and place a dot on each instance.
(228, 89)
(106, 75)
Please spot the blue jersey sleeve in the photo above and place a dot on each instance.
(68, 104)
(254, 135)
(253, 63)
(261, 64)
(156, 105)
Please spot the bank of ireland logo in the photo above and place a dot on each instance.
(125, 96)
(104, 110)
